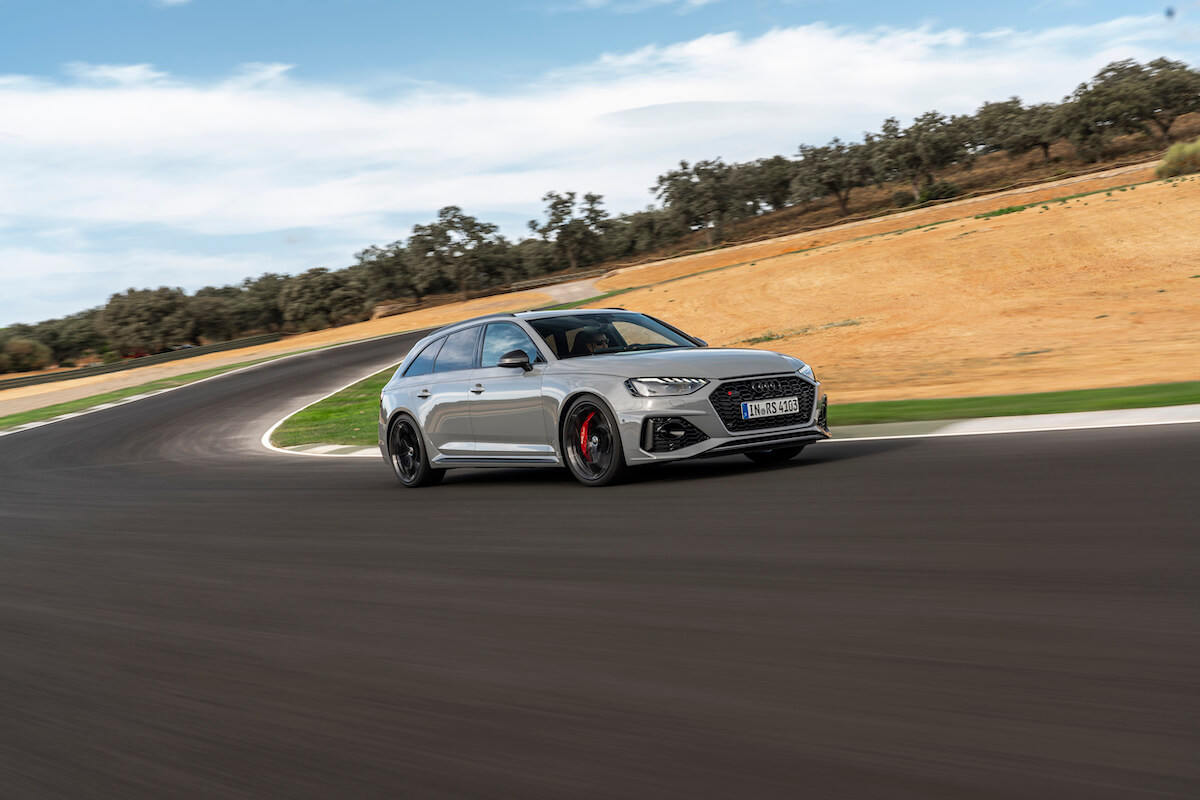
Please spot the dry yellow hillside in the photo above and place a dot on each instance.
(658, 271)
(1099, 291)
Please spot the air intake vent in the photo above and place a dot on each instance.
(665, 434)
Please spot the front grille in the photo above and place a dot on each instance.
(657, 434)
(727, 401)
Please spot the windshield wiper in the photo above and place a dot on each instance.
(656, 346)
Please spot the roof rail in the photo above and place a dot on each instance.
(498, 315)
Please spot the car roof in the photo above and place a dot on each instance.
(529, 315)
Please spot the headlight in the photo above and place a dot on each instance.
(807, 372)
(664, 387)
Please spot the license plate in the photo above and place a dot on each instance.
(770, 408)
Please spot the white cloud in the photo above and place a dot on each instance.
(121, 74)
(127, 145)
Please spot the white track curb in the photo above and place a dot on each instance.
(326, 450)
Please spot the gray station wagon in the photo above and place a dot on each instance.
(596, 391)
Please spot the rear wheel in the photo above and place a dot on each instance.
(406, 451)
(776, 456)
(592, 444)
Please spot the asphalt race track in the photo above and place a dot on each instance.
(185, 614)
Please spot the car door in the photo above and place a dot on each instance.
(508, 414)
(441, 400)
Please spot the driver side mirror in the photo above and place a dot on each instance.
(515, 358)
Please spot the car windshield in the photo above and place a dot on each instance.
(574, 335)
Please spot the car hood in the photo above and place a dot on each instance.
(709, 362)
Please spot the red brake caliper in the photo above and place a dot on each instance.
(583, 437)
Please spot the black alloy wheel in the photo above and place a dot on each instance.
(775, 456)
(407, 454)
(592, 443)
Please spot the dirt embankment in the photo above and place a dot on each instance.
(658, 271)
(1099, 291)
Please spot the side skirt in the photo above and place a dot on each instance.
(495, 461)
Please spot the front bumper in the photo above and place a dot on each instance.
(634, 416)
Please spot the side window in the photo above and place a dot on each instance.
(458, 352)
(423, 363)
(503, 338)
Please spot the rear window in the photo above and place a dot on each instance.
(458, 352)
(423, 363)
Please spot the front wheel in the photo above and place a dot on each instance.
(592, 444)
(775, 456)
(406, 452)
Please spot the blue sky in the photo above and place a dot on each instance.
(146, 143)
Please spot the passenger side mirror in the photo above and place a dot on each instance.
(515, 358)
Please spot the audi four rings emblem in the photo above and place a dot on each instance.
(767, 386)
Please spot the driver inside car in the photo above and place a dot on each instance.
(588, 341)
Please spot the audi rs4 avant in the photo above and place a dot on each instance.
(595, 391)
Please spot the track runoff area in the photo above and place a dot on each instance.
(189, 614)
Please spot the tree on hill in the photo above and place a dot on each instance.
(699, 196)
(25, 355)
(1152, 96)
(320, 298)
(1014, 128)
(212, 308)
(573, 228)
(771, 180)
(1128, 97)
(917, 153)
(451, 250)
(532, 257)
(388, 272)
(836, 168)
(69, 337)
(257, 307)
(642, 231)
(147, 320)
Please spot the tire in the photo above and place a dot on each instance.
(407, 455)
(591, 443)
(776, 456)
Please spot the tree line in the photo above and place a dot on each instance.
(459, 254)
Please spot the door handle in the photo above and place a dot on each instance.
(424, 393)
(477, 389)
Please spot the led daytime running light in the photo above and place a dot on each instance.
(664, 387)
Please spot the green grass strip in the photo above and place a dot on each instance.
(349, 417)
(589, 301)
(83, 404)
(1151, 396)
